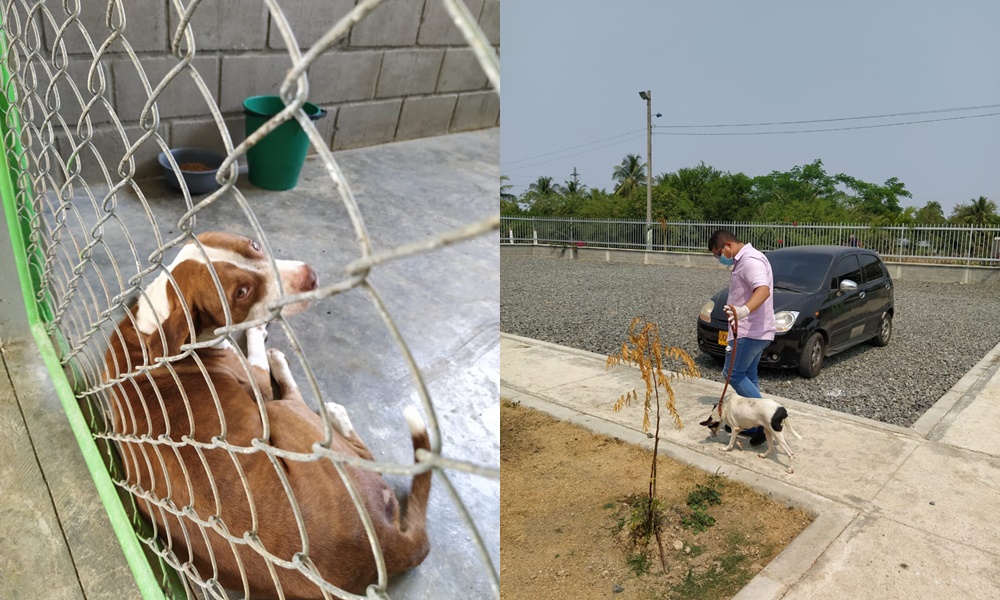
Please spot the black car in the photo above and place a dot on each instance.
(826, 299)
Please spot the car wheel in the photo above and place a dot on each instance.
(884, 330)
(811, 359)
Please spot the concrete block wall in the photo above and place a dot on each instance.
(404, 72)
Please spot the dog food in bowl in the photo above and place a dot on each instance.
(197, 166)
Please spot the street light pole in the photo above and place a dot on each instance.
(648, 97)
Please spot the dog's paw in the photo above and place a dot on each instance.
(258, 333)
(279, 367)
(725, 449)
(255, 347)
(276, 358)
(339, 419)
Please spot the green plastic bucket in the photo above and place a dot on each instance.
(276, 161)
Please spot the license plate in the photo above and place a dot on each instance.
(723, 338)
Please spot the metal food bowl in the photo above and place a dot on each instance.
(197, 166)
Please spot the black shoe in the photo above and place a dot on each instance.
(756, 435)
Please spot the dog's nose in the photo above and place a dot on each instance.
(310, 281)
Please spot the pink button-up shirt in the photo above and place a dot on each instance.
(749, 273)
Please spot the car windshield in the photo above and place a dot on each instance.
(799, 271)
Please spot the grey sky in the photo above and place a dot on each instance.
(572, 70)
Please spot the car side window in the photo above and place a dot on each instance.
(871, 267)
(847, 268)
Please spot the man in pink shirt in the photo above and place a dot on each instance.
(750, 292)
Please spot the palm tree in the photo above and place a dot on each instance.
(544, 198)
(573, 188)
(542, 186)
(505, 189)
(931, 214)
(978, 212)
(629, 175)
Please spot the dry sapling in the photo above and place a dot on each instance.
(644, 350)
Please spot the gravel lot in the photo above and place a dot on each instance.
(940, 330)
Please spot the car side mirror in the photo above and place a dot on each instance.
(848, 285)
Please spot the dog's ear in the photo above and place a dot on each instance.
(175, 328)
(709, 422)
(175, 331)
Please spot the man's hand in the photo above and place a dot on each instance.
(741, 313)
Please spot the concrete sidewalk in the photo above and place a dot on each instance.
(899, 512)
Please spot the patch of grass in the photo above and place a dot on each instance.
(724, 580)
(639, 563)
(704, 496)
(619, 526)
(699, 501)
(698, 521)
(636, 518)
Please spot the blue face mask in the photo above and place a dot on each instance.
(726, 261)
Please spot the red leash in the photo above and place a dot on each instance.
(732, 357)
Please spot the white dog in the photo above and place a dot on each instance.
(743, 413)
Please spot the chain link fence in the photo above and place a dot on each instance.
(94, 238)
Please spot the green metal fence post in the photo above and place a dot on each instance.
(16, 194)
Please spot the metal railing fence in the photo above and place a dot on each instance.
(944, 244)
(77, 284)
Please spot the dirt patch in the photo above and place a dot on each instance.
(562, 508)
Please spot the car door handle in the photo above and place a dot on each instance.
(862, 295)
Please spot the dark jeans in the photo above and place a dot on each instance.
(744, 377)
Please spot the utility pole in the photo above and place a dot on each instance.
(648, 97)
(576, 176)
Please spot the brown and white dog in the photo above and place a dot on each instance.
(207, 401)
(742, 413)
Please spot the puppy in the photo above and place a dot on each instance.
(190, 434)
(743, 413)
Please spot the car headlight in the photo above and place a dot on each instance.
(706, 312)
(784, 320)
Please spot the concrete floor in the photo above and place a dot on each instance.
(445, 303)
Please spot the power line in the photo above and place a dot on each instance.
(744, 133)
(509, 166)
(577, 147)
(885, 116)
(542, 162)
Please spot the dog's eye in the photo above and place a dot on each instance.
(242, 292)
(255, 246)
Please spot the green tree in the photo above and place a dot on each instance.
(573, 188)
(505, 189)
(544, 198)
(671, 205)
(980, 211)
(805, 193)
(599, 204)
(508, 201)
(702, 192)
(870, 200)
(542, 186)
(685, 193)
(930, 214)
(629, 175)
(573, 193)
